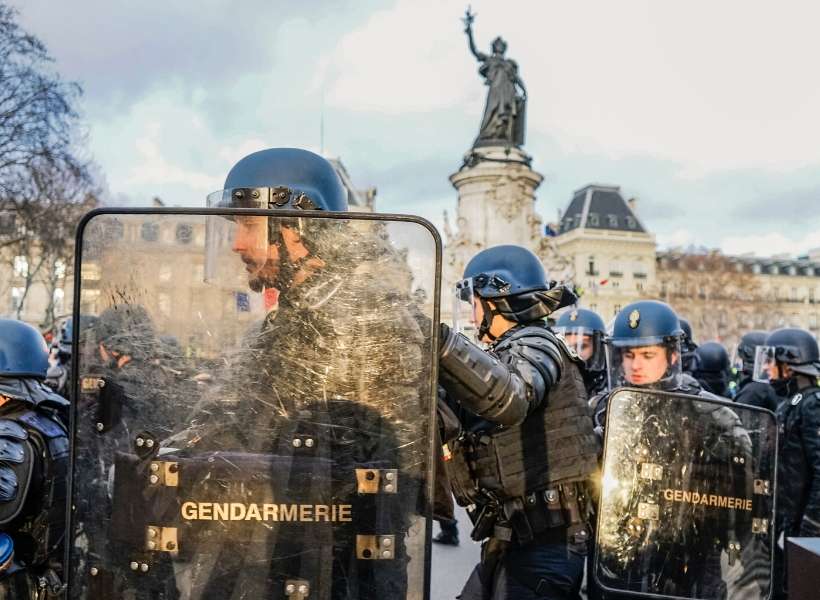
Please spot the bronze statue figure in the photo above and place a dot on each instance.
(504, 113)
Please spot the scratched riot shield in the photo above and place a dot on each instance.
(687, 499)
(255, 395)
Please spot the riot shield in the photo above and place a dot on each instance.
(687, 498)
(255, 402)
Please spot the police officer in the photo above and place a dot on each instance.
(33, 468)
(645, 351)
(527, 446)
(585, 331)
(712, 368)
(751, 392)
(323, 365)
(793, 362)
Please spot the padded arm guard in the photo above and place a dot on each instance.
(16, 467)
(484, 384)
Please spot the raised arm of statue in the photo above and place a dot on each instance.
(468, 29)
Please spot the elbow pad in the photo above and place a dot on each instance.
(482, 383)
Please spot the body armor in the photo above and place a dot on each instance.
(527, 478)
(33, 471)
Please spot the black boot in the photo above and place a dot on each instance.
(448, 536)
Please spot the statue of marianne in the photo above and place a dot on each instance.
(504, 114)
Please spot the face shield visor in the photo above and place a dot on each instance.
(466, 309)
(644, 362)
(588, 344)
(766, 368)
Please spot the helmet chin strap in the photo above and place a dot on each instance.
(487, 320)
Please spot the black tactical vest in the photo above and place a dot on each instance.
(554, 445)
(34, 453)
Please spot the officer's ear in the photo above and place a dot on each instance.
(293, 243)
(672, 356)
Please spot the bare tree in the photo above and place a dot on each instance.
(38, 119)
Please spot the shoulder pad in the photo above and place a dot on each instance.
(12, 429)
(15, 478)
(11, 450)
(42, 424)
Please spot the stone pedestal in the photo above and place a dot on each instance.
(496, 197)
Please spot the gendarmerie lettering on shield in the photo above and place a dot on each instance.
(705, 499)
(239, 511)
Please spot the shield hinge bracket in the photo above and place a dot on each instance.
(762, 487)
(760, 526)
(375, 547)
(377, 481)
(164, 473)
(161, 539)
(651, 471)
(297, 589)
(648, 511)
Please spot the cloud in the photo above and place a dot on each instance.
(769, 244)
(680, 238)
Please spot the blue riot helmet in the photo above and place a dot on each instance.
(288, 178)
(509, 281)
(712, 368)
(792, 347)
(276, 178)
(584, 330)
(645, 346)
(23, 351)
(747, 348)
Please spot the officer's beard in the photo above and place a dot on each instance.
(274, 274)
(785, 387)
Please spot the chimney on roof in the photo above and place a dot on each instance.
(633, 205)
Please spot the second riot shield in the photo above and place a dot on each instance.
(687, 498)
(255, 395)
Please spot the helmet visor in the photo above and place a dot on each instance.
(765, 364)
(587, 344)
(645, 365)
(466, 310)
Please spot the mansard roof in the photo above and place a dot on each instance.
(600, 207)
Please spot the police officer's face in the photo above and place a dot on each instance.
(261, 258)
(646, 364)
(582, 344)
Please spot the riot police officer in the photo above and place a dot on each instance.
(792, 360)
(584, 330)
(750, 391)
(33, 468)
(527, 446)
(712, 368)
(645, 352)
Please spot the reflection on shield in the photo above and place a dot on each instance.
(255, 395)
(687, 501)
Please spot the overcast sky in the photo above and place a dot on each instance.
(708, 112)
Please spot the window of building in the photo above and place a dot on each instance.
(613, 220)
(756, 269)
(59, 301)
(7, 222)
(813, 321)
(20, 266)
(593, 220)
(616, 310)
(185, 233)
(811, 295)
(616, 284)
(165, 272)
(630, 222)
(115, 230)
(591, 266)
(639, 286)
(17, 298)
(164, 304)
(59, 268)
(792, 270)
(593, 307)
(793, 294)
(150, 232)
